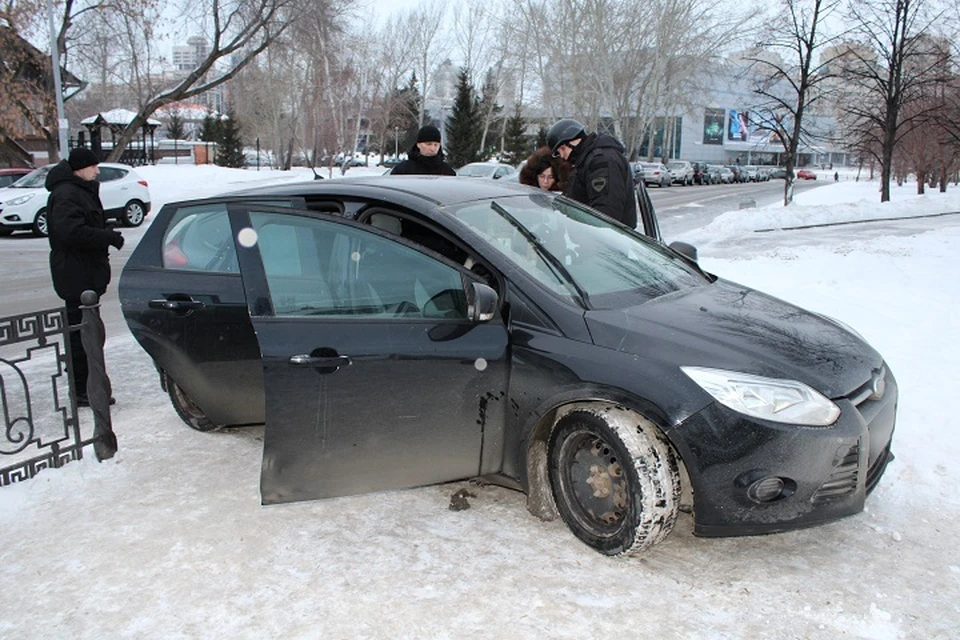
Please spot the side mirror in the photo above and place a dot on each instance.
(482, 302)
(685, 249)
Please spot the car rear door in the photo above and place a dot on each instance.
(374, 376)
(113, 190)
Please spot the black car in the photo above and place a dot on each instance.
(403, 331)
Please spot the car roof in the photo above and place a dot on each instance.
(441, 190)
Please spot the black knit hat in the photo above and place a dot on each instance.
(81, 158)
(428, 133)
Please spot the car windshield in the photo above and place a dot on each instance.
(477, 170)
(576, 253)
(32, 180)
(676, 165)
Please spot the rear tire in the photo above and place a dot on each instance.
(187, 410)
(615, 480)
(133, 214)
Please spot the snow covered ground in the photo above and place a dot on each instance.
(168, 538)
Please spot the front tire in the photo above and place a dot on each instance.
(615, 480)
(187, 410)
(133, 214)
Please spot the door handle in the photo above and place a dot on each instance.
(175, 305)
(320, 361)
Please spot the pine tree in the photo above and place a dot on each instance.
(404, 116)
(465, 125)
(230, 142)
(516, 142)
(175, 128)
(210, 129)
(541, 137)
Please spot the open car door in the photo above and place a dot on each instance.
(375, 375)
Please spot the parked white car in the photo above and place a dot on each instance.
(124, 194)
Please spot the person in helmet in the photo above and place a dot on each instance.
(601, 176)
(426, 156)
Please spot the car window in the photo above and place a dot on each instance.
(576, 253)
(317, 267)
(34, 180)
(108, 174)
(199, 239)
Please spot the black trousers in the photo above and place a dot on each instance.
(78, 357)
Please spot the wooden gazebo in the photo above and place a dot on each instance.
(139, 152)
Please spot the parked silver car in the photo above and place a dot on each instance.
(681, 172)
(652, 173)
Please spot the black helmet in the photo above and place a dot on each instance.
(564, 131)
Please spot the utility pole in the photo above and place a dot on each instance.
(63, 127)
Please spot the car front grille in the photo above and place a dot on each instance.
(869, 401)
(843, 480)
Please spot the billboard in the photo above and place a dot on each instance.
(713, 126)
(737, 126)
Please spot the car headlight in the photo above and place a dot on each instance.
(786, 401)
(20, 200)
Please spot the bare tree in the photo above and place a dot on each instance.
(239, 31)
(428, 44)
(789, 85)
(895, 59)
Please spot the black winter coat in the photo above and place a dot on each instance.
(602, 178)
(78, 235)
(417, 164)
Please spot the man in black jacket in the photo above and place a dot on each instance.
(426, 156)
(79, 241)
(601, 178)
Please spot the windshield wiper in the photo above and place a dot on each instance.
(541, 251)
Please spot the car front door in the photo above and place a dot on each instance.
(375, 377)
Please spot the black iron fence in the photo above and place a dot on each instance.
(38, 401)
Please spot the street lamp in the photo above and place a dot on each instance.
(396, 142)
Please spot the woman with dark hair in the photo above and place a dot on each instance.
(544, 171)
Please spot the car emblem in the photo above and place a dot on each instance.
(878, 384)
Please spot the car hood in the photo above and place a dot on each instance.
(9, 193)
(728, 326)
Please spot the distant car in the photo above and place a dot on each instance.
(806, 174)
(714, 174)
(492, 170)
(700, 175)
(763, 174)
(652, 173)
(751, 173)
(727, 176)
(681, 172)
(9, 176)
(124, 194)
(389, 162)
(413, 330)
(737, 171)
(778, 173)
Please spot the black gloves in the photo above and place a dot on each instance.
(117, 240)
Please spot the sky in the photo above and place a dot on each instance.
(168, 539)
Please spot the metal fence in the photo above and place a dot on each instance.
(38, 402)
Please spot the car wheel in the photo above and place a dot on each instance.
(187, 410)
(614, 480)
(133, 214)
(40, 224)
